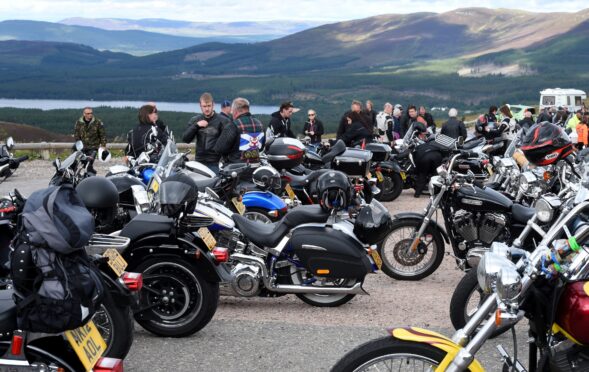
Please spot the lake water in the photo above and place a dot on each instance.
(52, 104)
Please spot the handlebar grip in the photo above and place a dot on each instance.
(468, 154)
(4, 161)
(20, 159)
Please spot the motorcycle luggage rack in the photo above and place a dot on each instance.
(192, 223)
(99, 243)
(445, 140)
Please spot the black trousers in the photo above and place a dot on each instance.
(425, 165)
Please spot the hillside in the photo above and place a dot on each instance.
(136, 42)
(28, 133)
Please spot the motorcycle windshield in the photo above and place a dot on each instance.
(67, 163)
(167, 157)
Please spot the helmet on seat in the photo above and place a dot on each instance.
(545, 144)
(335, 192)
(266, 177)
(101, 198)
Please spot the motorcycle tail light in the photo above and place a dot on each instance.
(221, 254)
(17, 345)
(108, 365)
(273, 213)
(133, 281)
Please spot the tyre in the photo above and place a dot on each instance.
(391, 186)
(466, 299)
(259, 214)
(299, 276)
(390, 354)
(176, 300)
(115, 324)
(49, 350)
(399, 262)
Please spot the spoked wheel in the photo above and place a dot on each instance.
(176, 301)
(301, 276)
(402, 262)
(115, 324)
(257, 214)
(389, 354)
(466, 300)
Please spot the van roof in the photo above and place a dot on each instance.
(558, 91)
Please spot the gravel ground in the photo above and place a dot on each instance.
(285, 333)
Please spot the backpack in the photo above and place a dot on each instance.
(57, 287)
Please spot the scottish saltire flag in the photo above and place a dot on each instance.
(251, 141)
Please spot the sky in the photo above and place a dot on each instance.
(255, 10)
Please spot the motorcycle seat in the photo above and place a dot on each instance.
(306, 179)
(203, 184)
(247, 186)
(269, 235)
(147, 224)
(472, 144)
(522, 214)
(336, 150)
(7, 312)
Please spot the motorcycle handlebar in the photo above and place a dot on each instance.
(20, 159)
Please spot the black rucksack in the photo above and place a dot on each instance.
(57, 286)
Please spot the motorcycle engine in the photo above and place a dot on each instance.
(246, 280)
(484, 228)
(566, 356)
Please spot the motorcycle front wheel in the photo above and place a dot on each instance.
(390, 354)
(402, 263)
(176, 300)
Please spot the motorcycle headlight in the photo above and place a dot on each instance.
(509, 284)
(544, 210)
(526, 180)
(488, 270)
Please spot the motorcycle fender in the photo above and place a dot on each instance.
(390, 166)
(419, 217)
(264, 200)
(436, 340)
(120, 294)
(188, 247)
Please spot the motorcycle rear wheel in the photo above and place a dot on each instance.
(116, 326)
(322, 300)
(401, 264)
(391, 187)
(390, 354)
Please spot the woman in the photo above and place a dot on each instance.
(313, 127)
(359, 131)
(140, 136)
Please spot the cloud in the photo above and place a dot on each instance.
(259, 10)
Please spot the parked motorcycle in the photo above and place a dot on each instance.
(8, 163)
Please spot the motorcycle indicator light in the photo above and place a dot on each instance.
(108, 365)
(133, 281)
(323, 271)
(498, 318)
(221, 254)
(547, 176)
(273, 213)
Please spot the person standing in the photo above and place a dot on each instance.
(575, 120)
(429, 119)
(226, 109)
(527, 122)
(313, 127)
(370, 115)
(583, 132)
(280, 124)
(396, 130)
(344, 123)
(140, 136)
(242, 139)
(384, 123)
(207, 128)
(453, 127)
(90, 130)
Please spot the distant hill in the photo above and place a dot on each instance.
(29, 133)
(244, 31)
(136, 42)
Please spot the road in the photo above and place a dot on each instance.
(271, 334)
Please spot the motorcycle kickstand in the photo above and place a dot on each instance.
(460, 262)
(507, 362)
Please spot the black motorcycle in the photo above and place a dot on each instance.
(8, 163)
(474, 217)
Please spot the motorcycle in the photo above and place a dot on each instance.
(474, 217)
(8, 163)
(548, 286)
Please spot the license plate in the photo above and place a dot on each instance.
(490, 169)
(403, 176)
(116, 262)
(379, 176)
(290, 192)
(155, 186)
(87, 343)
(376, 258)
(207, 237)
(238, 205)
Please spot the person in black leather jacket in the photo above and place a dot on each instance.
(207, 128)
(359, 130)
(453, 127)
(428, 156)
(140, 136)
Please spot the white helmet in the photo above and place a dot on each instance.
(103, 155)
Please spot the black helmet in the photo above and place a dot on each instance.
(178, 193)
(266, 178)
(335, 191)
(101, 197)
(546, 143)
(373, 223)
(419, 127)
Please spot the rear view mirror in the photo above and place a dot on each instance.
(79, 145)
(57, 163)
(9, 143)
(460, 141)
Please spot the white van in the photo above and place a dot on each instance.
(572, 98)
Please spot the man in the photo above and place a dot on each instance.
(544, 116)
(226, 110)
(429, 119)
(527, 122)
(410, 119)
(90, 130)
(384, 123)
(344, 123)
(370, 114)
(280, 124)
(313, 127)
(583, 132)
(241, 140)
(575, 120)
(207, 128)
(427, 157)
(453, 127)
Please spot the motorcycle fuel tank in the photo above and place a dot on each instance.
(572, 314)
(325, 251)
(474, 198)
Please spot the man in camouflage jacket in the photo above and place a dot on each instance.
(91, 132)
